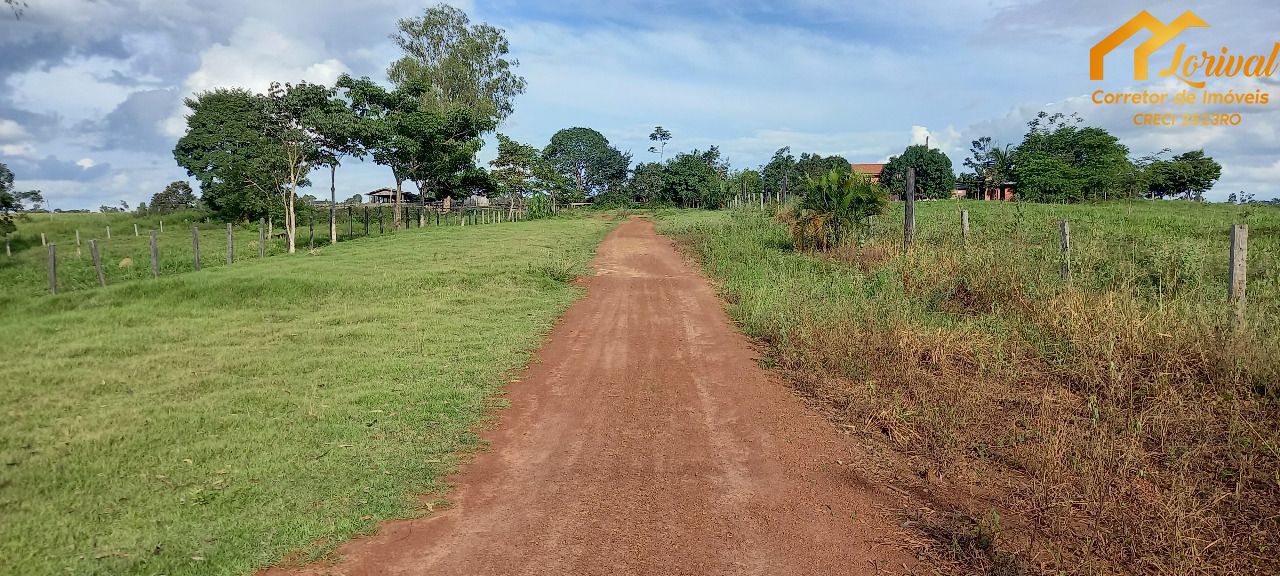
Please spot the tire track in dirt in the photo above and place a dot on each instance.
(646, 439)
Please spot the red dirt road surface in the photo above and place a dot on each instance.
(646, 440)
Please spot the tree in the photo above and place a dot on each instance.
(817, 165)
(1058, 161)
(781, 176)
(229, 150)
(9, 203)
(990, 165)
(337, 136)
(834, 205)
(519, 170)
(694, 179)
(585, 157)
(462, 64)
(436, 150)
(934, 175)
(176, 196)
(355, 199)
(1189, 175)
(661, 136)
(294, 113)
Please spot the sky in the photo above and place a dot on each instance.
(91, 91)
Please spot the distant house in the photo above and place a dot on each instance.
(388, 196)
(1006, 192)
(871, 170)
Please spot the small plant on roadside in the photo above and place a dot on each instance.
(834, 206)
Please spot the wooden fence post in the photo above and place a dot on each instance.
(366, 220)
(162, 226)
(382, 225)
(195, 245)
(97, 262)
(231, 246)
(311, 227)
(135, 229)
(909, 215)
(155, 256)
(77, 243)
(351, 223)
(53, 268)
(1064, 243)
(108, 232)
(1239, 269)
(964, 225)
(43, 242)
(262, 238)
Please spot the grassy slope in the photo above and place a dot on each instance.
(1123, 422)
(213, 422)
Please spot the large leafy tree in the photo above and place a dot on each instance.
(520, 171)
(782, 174)
(817, 165)
(436, 150)
(694, 179)
(1060, 161)
(178, 195)
(295, 112)
(934, 175)
(585, 157)
(460, 64)
(1188, 175)
(230, 150)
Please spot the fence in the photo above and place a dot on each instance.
(169, 254)
(1061, 254)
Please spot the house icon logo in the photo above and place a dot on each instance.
(1161, 34)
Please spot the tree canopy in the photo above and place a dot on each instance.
(178, 195)
(1188, 175)
(585, 157)
(229, 150)
(1059, 161)
(456, 63)
(935, 177)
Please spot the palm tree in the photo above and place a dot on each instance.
(834, 205)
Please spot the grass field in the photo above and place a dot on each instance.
(1120, 425)
(220, 421)
(128, 257)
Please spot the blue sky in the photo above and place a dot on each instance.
(91, 90)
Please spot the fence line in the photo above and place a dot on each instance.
(472, 215)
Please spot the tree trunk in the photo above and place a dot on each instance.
(290, 219)
(395, 210)
(333, 204)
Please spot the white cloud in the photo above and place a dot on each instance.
(256, 55)
(11, 131)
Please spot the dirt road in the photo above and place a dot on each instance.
(646, 440)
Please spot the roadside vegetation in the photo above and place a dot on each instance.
(1119, 425)
(221, 421)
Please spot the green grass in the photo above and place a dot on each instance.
(127, 257)
(216, 422)
(1120, 424)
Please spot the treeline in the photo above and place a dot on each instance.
(1061, 160)
(251, 153)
